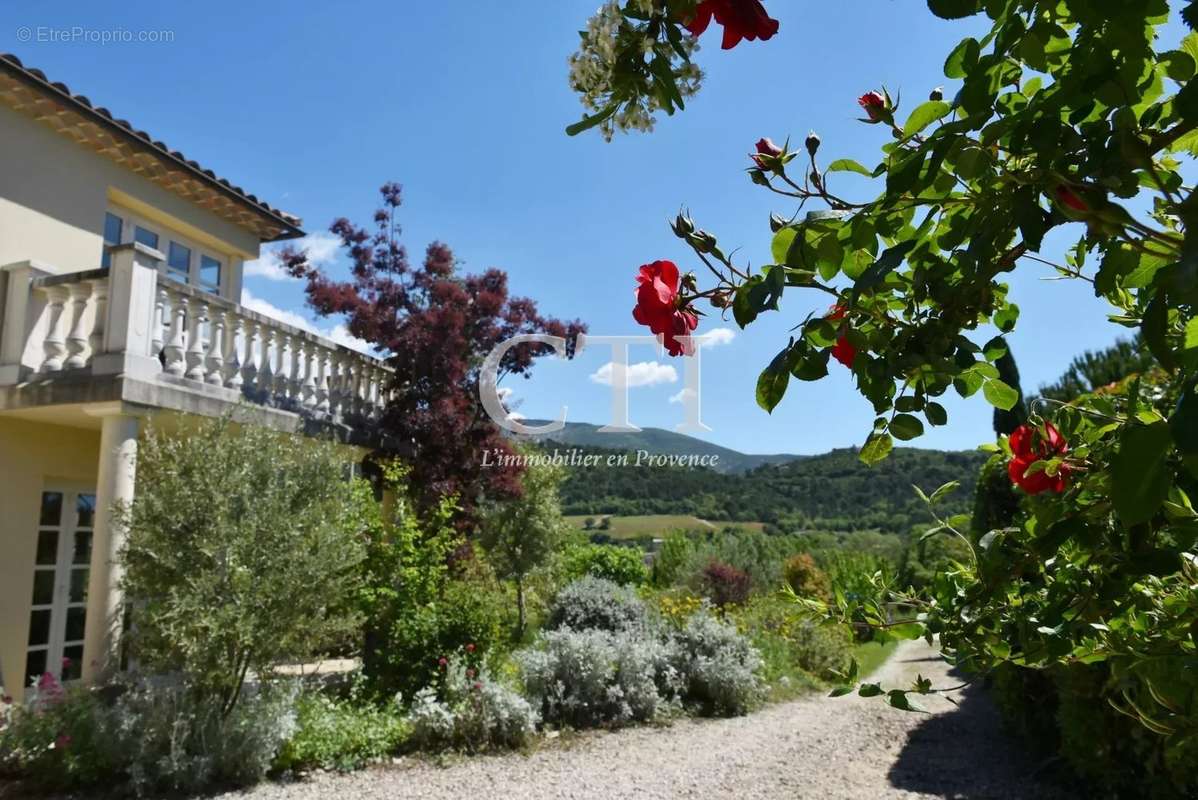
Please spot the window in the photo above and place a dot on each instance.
(180, 252)
(209, 273)
(178, 262)
(148, 238)
(61, 567)
(112, 235)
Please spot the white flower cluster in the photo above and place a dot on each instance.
(593, 68)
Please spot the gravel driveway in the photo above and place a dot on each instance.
(817, 747)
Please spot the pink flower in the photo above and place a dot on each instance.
(469, 673)
(66, 663)
(477, 686)
(444, 662)
(470, 648)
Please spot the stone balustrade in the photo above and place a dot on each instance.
(134, 321)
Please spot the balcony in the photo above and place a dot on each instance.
(130, 334)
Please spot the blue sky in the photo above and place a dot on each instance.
(312, 106)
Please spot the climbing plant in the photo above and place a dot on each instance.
(1072, 116)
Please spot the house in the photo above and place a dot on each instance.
(120, 275)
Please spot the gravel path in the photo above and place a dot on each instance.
(817, 747)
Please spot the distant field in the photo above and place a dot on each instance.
(655, 524)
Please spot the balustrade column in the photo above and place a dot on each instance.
(216, 350)
(296, 384)
(233, 377)
(336, 378)
(282, 345)
(249, 365)
(54, 345)
(80, 293)
(159, 323)
(266, 373)
(322, 380)
(309, 388)
(173, 349)
(100, 293)
(195, 345)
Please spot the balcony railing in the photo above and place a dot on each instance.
(132, 320)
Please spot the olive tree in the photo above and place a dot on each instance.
(242, 550)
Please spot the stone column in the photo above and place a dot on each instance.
(114, 483)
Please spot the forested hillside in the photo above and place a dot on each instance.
(833, 491)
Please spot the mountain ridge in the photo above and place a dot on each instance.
(656, 441)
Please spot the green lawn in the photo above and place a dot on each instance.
(650, 525)
(871, 655)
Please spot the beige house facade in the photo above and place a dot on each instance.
(120, 279)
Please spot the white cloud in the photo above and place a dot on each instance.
(338, 333)
(644, 373)
(341, 335)
(683, 396)
(504, 392)
(321, 247)
(255, 303)
(716, 337)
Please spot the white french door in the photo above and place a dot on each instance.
(60, 574)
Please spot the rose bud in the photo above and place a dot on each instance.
(766, 147)
(812, 143)
(683, 226)
(874, 104)
(937, 94)
(777, 222)
(702, 241)
(721, 299)
(758, 177)
(689, 282)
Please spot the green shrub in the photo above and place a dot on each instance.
(465, 614)
(473, 712)
(790, 643)
(243, 550)
(616, 563)
(589, 677)
(416, 611)
(152, 738)
(341, 734)
(596, 604)
(718, 666)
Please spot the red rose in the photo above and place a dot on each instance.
(444, 662)
(843, 351)
(742, 19)
(1029, 445)
(874, 104)
(766, 147)
(657, 306)
(470, 648)
(1070, 198)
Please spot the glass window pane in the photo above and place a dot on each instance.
(47, 547)
(85, 507)
(209, 272)
(112, 229)
(39, 627)
(51, 509)
(72, 662)
(75, 620)
(148, 238)
(79, 585)
(43, 587)
(83, 548)
(35, 665)
(178, 261)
